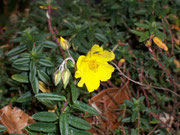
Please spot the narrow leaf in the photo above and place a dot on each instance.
(44, 77)
(24, 98)
(35, 85)
(79, 123)
(44, 127)
(85, 107)
(16, 50)
(2, 128)
(46, 63)
(63, 124)
(20, 78)
(75, 131)
(50, 96)
(45, 116)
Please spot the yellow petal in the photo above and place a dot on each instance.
(92, 83)
(159, 43)
(105, 55)
(105, 71)
(81, 83)
(79, 61)
(96, 48)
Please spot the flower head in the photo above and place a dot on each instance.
(94, 67)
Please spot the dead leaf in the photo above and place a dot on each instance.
(43, 87)
(107, 102)
(159, 43)
(14, 119)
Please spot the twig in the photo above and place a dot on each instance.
(152, 131)
(148, 86)
(48, 15)
(172, 37)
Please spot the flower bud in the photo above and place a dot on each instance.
(65, 77)
(64, 43)
(57, 77)
(148, 43)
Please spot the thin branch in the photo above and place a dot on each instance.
(136, 82)
(48, 15)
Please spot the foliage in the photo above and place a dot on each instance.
(37, 75)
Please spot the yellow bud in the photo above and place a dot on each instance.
(65, 77)
(64, 43)
(121, 62)
(57, 77)
(159, 43)
(148, 43)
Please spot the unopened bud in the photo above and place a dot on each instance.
(57, 77)
(64, 43)
(65, 77)
(148, 43)
(121, 62)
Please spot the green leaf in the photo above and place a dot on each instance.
(24, 98)
(35, 85)
(85, 107)
(133, 132)
(160, 35)
(16, 50)
(63, 124)
(24, 67)
(74, 93)
(126, 120)
(32, 75)
(50, 96)
(21, 61)
(43, 127)
(2, 128)
(154, 121)
(139, 33)
(144, 36)
(49, 44)
(134, 116)
(45, 116)
(46, 63)
(75, 131)
(79, 123)
(101, 37)
(142, 25)
(20, 78)
(30, 132)
(44, 77)
(17, 39)
(47, 103)
(128, 103)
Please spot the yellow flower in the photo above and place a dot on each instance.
(94, 67)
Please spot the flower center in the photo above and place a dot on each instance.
(93, 65)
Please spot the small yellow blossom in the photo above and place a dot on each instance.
(94, 67)
(159, 43)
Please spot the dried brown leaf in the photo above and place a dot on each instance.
(14, 119)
